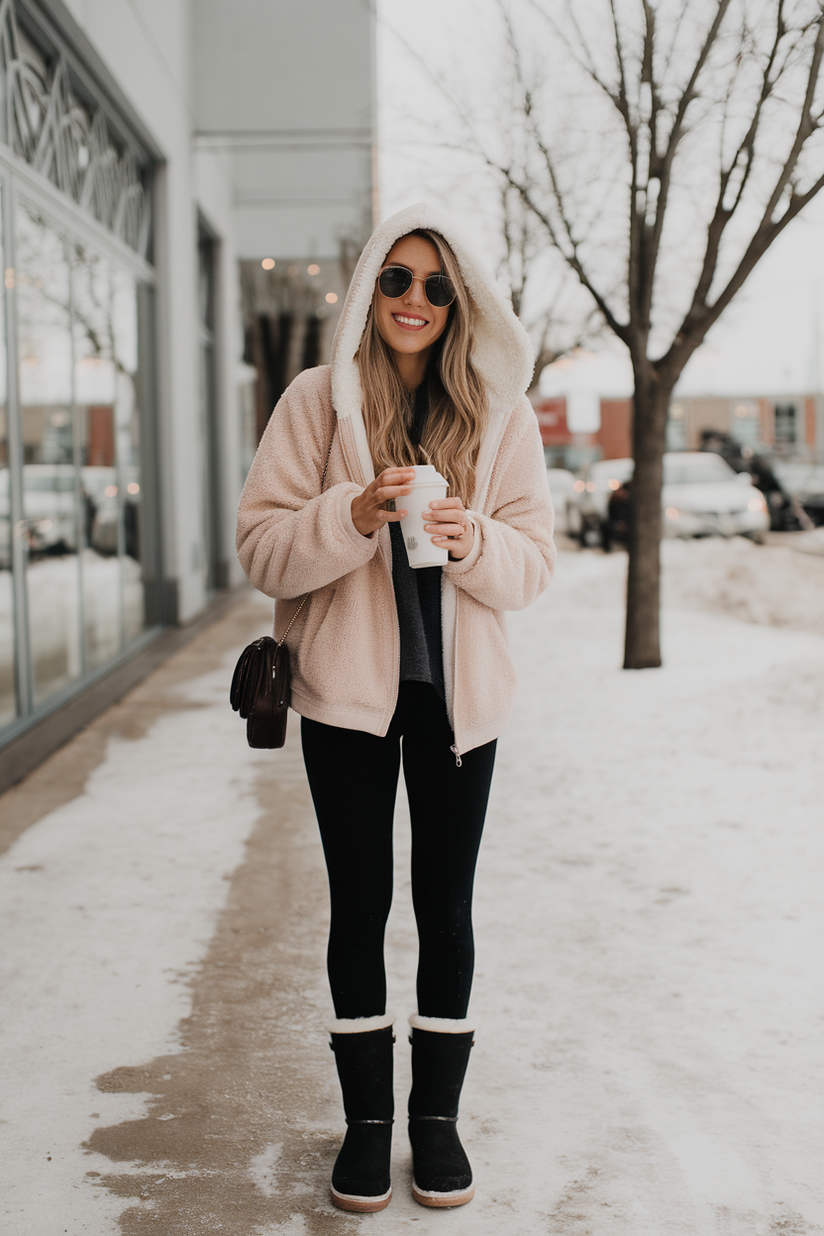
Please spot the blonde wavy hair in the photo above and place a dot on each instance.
(458, 406)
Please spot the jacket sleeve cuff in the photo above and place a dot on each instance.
(366, 544)
(462, 565)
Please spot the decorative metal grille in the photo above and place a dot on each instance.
(42, 120)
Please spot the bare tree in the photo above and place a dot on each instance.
(538, 286)
(539, 291)
(664, 145)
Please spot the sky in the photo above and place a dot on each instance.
(771, 338)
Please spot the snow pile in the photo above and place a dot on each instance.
(771, 585)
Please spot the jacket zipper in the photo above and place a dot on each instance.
(454, 747)
(388, 565)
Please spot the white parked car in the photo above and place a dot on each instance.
(702, 496)
(100, 497)
(50, 507)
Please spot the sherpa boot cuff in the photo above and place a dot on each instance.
(442, 1025)
(361, 1025)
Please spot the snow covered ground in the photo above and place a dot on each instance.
(769, 585)
(648, 990)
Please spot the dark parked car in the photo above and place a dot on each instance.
(804, 482)
(787, 513)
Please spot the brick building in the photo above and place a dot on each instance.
(584, 412)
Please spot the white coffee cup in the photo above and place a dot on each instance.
(426, 487)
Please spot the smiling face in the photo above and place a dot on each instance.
(409, 325)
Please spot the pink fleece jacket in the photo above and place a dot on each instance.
(292, 538)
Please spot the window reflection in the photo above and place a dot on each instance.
(95, 382)
(78, 480)
(51, 495)
(7, 692)
(128, 445)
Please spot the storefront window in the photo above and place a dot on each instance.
(51, 497)
(105, 365)
(78, 539)
(127, 432)
(78, 343)
(7, 661)
(7, 693)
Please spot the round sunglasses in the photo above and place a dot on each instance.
(395, 281)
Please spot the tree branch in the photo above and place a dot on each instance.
(619, 98)
(744, 157)
(572, 257)
(700, 316)
(564, 240)
(663, 163)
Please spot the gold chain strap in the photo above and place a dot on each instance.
(305, 597)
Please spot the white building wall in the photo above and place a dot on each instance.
(288, 89)
(261, 114)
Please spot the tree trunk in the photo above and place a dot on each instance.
(642, 648)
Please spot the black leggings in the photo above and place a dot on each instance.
(353, 777)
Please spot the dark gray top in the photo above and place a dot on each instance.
(418, 593)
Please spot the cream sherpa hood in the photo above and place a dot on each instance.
(501, 349)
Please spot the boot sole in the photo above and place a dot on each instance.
(426, 1197)
(360, 1205)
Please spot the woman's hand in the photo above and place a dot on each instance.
(367, 515)
(453, 527)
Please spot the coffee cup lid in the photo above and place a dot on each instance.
(428, 474)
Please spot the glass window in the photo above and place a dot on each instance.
(677, 428)
(7, 650)
(745, 423)
(95, 387)
(51, 495)
(79, 536)
(785, 425)
(125, 340)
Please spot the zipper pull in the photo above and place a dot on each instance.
(457, 755)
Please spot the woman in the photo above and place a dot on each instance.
(429, 364)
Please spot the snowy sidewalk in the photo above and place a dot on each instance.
(648, 916)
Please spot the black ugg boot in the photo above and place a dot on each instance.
(442, 1175)
(363, 1054)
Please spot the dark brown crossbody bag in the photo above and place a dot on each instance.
(261, 682)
